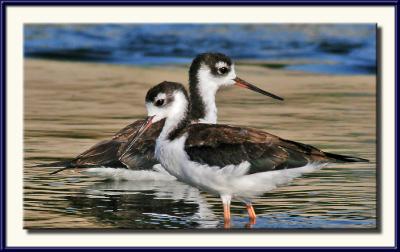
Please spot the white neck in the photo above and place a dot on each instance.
(176, 113)
(208, 97)
(207, 91)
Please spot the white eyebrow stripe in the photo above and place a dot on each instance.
(160, 96)
(221, 64)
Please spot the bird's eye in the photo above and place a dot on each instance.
(159, 103)
(223, 70)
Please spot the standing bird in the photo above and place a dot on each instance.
(208, 72)
(228, 161)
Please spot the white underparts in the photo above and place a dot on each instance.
(119, 174)
(230, 180)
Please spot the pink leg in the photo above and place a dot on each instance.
(227, 216)
(226, 201)
(252, 213)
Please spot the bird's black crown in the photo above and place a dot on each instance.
(210, 59)
(166, 87)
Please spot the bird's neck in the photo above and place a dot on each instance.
(177, 122)
(202, 97)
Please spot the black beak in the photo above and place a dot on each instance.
(245, 84)
(146, 124)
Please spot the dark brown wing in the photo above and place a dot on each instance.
(109, 153)
(141, 154)
(221, 145)
(128, 131)
(106, 152)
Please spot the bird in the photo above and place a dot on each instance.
(229, 161)
(208, 72)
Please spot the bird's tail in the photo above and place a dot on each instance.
(55, 164)
(59, 170)
(345, 159)
(62, 165)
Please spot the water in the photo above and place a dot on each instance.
(333, 48)
(71, 106)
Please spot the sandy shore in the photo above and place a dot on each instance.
(127, 85)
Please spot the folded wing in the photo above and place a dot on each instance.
(221, 145)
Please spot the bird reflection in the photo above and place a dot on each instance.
(146, 205)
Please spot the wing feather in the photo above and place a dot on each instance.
(106, 152)
(141, 154)
(221, 145)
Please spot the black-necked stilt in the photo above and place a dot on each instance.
(228, 161)
(208, 72)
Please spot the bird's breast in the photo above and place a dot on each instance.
(171, 155)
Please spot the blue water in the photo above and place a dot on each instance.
(333, 48)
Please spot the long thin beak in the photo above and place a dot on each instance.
(245, 84)
(143, 128)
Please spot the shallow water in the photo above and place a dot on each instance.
(64, 117)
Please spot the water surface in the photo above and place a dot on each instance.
(70, 107)
(317, 48)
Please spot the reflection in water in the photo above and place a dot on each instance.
(147, 204)
(161, 204)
